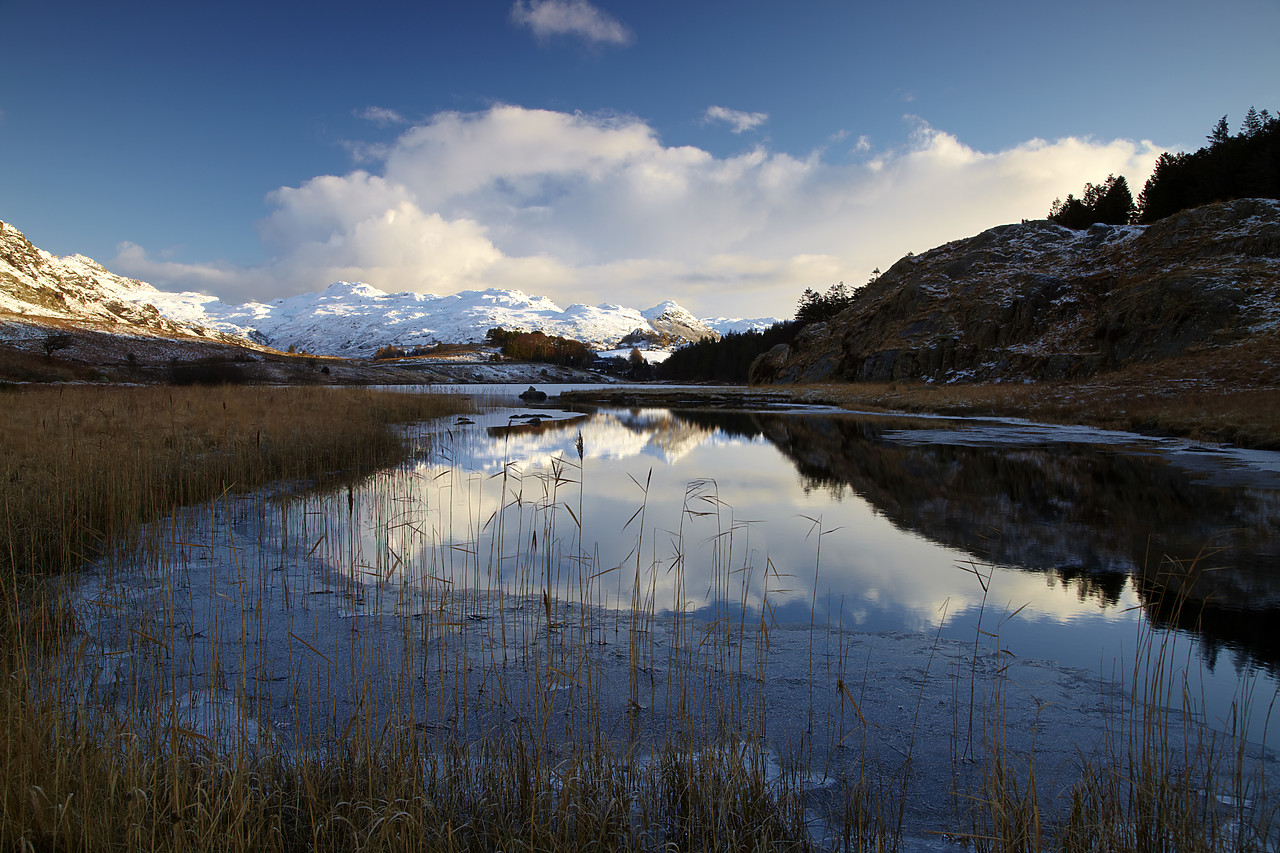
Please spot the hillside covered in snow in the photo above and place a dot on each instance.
(345, 319)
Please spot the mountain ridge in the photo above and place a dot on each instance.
(351, 319)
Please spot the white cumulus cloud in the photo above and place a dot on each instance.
(737, 120)
(597, 208)
(549, 18)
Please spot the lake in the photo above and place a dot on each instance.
(890, 524)
(865, 603)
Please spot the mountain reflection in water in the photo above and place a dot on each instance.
(1116, 521)
(1200, 557)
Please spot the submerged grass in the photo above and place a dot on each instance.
(1160, 780)
(457, 699)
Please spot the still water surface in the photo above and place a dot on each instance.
(1064, 542)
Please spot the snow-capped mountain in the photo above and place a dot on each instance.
(345, 319)
(36, 284)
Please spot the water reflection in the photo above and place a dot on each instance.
(1096, 517)
(1100, 519)
(863, 522)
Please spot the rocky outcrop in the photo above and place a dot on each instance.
(1039, 301)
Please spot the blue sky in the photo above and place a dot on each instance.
(723, 154)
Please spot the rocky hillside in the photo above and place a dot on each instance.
(1039, 301)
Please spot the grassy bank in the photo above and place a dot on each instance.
(86, 466)
(466, 721)
(1229, 395)
(1248, 418)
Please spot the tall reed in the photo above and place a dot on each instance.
(1163, 780)
(87, 466)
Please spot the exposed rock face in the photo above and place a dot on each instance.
(1039, 301)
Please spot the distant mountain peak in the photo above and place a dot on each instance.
(349, 318)
(342, 288)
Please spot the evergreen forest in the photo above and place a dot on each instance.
(1246, 165)
(725, 360)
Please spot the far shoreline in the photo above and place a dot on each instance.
(1247, 417)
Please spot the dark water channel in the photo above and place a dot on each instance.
(1069, 544)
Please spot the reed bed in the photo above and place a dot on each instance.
(87, 466)
(418, 658)
(1160, 779)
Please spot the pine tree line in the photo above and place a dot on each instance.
(1246, 165)
(725, 360)
(814, 307)
(1110, 203)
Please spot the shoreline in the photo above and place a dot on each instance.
(270, 632)
(1247, 417)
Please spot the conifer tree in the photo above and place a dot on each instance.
(1252, 124)
(1221, 133)
(814, 308)
(1246, 165)
(1115, 206)
(1109, 202)
(1072, 213)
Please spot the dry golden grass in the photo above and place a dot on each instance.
(19, 366)
(1249, 418)
(1225, 395)
(86, 466)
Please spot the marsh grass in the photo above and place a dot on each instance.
(86, 466)
(1160, 779)
(253, 673)
(1161, 782)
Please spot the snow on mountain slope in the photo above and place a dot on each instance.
(355, 319)
(348, 319)
(733, 325)
(36, 284)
